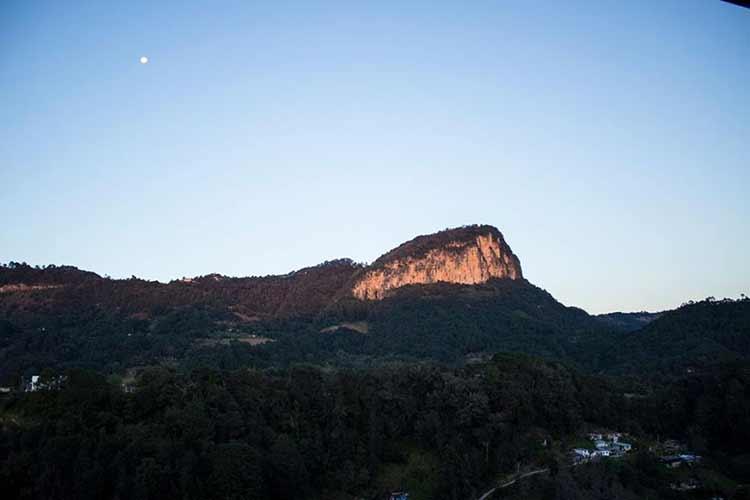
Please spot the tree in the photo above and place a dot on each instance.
(236, 473)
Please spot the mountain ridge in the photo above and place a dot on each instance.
(470, 255)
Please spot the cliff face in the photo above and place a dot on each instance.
(467, 255)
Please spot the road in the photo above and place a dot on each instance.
(512, 481)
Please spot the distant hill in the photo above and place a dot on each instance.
(628, 322)
(694, 335)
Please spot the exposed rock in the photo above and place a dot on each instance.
(467, 255)
(22, 287)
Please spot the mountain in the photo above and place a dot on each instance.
(455, 296)
(451, 296)
(467, 255)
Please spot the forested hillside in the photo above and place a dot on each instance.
(696, 334)
(27, 291)
(75, 319)
(309, 433)
(443, 322)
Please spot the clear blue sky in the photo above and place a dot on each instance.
(608, 140)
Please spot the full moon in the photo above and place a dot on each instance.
(144, 60)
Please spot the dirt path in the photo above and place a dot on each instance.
(511, 482)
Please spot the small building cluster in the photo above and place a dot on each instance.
(605, 446)
(674, 461)
(674, 454)
(35, 383)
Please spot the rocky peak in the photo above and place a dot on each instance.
(466, 255)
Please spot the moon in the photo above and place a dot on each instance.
(143, 60)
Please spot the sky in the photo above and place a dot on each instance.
(609, 141)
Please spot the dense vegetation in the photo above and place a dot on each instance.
(111, 325)
(305, 291)
(446, 323)
(308, 433)
(696, 334)
(627, 322)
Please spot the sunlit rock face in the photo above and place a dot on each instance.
(467, 255)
